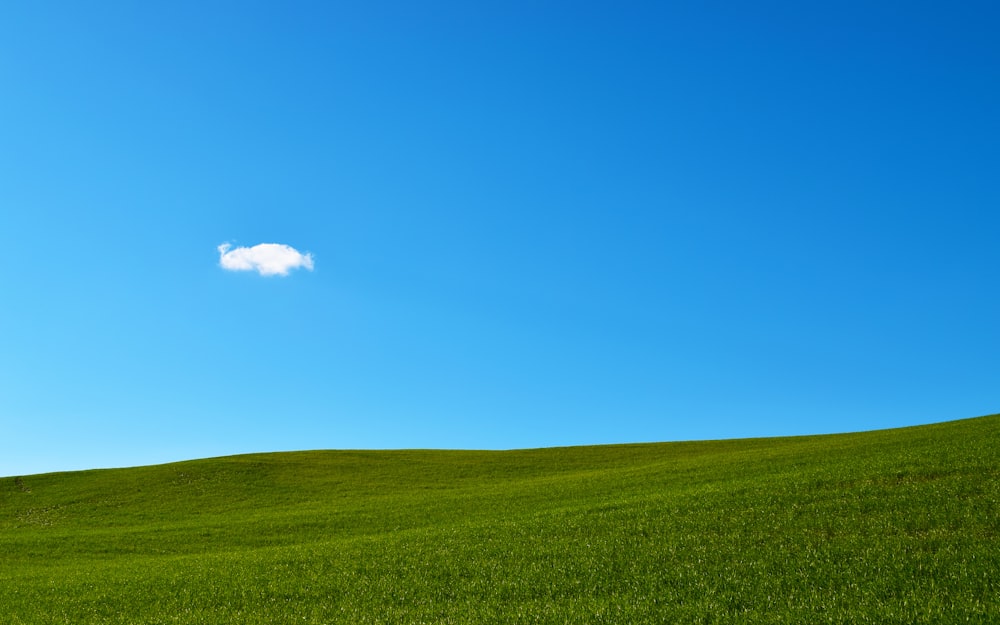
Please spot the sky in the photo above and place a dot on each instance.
(234, 227)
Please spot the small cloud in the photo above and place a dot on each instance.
(267, 259)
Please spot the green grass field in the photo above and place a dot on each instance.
(896, 526)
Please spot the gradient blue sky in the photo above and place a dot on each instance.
(533, 223)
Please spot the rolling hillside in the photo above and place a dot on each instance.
(895, 526)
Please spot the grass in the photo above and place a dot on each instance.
(895, 526)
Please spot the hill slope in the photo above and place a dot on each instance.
(896, 526)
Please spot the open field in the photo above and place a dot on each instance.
(896, 526)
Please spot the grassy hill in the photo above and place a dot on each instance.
(896, 526)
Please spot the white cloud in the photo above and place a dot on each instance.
(267, 259)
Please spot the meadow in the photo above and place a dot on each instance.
(893, 526)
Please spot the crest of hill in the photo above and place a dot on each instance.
(306, 480)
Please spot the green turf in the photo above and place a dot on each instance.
(897, 526)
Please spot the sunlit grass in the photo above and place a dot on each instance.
(897, 526)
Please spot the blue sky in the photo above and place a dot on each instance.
(529, 224)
